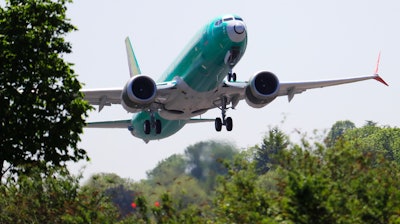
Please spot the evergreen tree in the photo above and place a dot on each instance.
(275, 141)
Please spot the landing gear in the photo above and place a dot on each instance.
(226, 121)
(229, 123)
(146, 127)
(158, 127)
(153, 123)
(218, 124)
(231, 77)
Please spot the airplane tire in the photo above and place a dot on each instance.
(234, 77)
(229, 124)
(158, 127)
(218, 124)
(146, 127)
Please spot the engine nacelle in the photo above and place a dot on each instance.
(263, 89)
(138, 93)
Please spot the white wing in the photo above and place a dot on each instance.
(291, 88)
(108, 96)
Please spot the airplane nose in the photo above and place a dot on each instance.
(236, 31)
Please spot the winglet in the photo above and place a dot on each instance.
(133, 65)
(377, 77)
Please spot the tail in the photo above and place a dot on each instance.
(377, 77)
(134, 68)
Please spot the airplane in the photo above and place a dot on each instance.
(201, 78)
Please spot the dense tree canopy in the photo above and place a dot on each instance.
(353, 181)
(42, 111)
(54, 198)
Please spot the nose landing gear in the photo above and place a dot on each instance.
(223, 121)
(231, 77)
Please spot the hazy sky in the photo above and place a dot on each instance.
(296, 40)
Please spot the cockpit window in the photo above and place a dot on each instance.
(228, 19)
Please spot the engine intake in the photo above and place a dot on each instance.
(263, 89)
(138, 93)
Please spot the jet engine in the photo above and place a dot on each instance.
(262, 89)
(138, 93)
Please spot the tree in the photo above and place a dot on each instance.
(312, 184)
(373, 138)
(337, 131)
(42, 111)
(52, 198)
(239, 197)
(115, 188)
(275, 141)
(167, 170)
(337, 185)
(204, 161)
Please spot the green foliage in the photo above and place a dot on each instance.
(353, 181)
(52, 198)
(104, 181)
(115, 188)
(167, 170)
(348, 182)
(338, 185)
(337, 131)
(239, 198)
(42, 112)
(372, 138)
(274, 142)
(205, 161)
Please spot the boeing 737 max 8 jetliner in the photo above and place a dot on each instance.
(200, 79)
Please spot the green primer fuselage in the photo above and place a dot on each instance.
(202, 65)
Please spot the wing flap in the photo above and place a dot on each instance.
(103, 97)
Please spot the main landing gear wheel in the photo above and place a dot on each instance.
(152, 124)
(229, 124)
(146, 127)
(224, 121)
(158, 127)
(218, 124)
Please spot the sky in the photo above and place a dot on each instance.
(296, 40)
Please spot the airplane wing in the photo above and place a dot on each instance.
(108, 96)
(232, 89)
(292, 88)
(103, 97)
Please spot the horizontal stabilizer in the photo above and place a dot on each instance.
(110, 124)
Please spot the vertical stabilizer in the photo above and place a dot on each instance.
(134, 68)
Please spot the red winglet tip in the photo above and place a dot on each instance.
(377, 63)
(379, 79)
